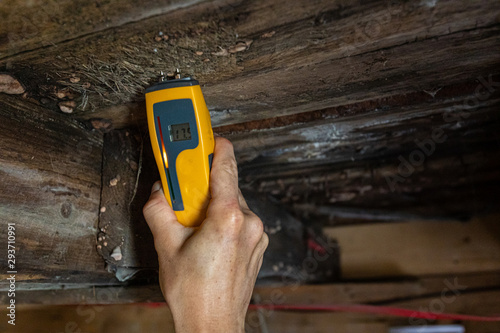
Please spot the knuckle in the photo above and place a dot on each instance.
(151, 206)
(234, 216)
(256, 227)
(230, 220)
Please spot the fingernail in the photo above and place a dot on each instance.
(156, 187)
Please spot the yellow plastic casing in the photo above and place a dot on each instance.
(192, 165)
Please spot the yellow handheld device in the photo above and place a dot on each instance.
(183, 145)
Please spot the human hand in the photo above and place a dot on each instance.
(207, 274)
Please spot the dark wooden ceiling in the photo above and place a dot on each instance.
(324, 100)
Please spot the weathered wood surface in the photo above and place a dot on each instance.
(128, 172)
(322, 54)
(482, 303)
(419, 248)
(27, 25)
(145, 318)
(435, 159)
(324, 87)
(469, 294)
(362, 292)
(50, 181)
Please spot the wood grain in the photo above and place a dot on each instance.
(30, 25)
(366, 292)
(339, 168)
(416, 249)
(482, 303)
(323, 54)
(325, 86)
(128, 172)
(50, 180)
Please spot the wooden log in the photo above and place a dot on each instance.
(382, 134)
(50, 181)
(322, 55)
(429, 162)
(129, 170)
(29, 25)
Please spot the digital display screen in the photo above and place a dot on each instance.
(180, 132)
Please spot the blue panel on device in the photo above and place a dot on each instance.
(175, 123)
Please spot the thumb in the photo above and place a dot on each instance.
(168, 233)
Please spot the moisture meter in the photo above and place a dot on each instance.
(183, 145)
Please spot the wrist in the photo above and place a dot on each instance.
(188, 322)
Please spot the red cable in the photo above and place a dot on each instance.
(356, 308)
(375, 309)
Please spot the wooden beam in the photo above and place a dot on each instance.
(466, 294)
(29, 25)
(152, 318)
(377, 135)
(364, 292)
(356, 167)
(477, 303)
(124, 239)
(317, 58)
(50, 181)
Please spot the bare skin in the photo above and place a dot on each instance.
(207, 274)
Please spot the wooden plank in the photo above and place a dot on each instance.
(476, 303)
(416, 249)
(29, 25)
(480, 303)
(377, 292)
(366, 292)
(475, 294)
(315, 60)
(80, 318)
(50, 181)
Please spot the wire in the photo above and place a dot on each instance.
(358, 308)
(374, 309)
